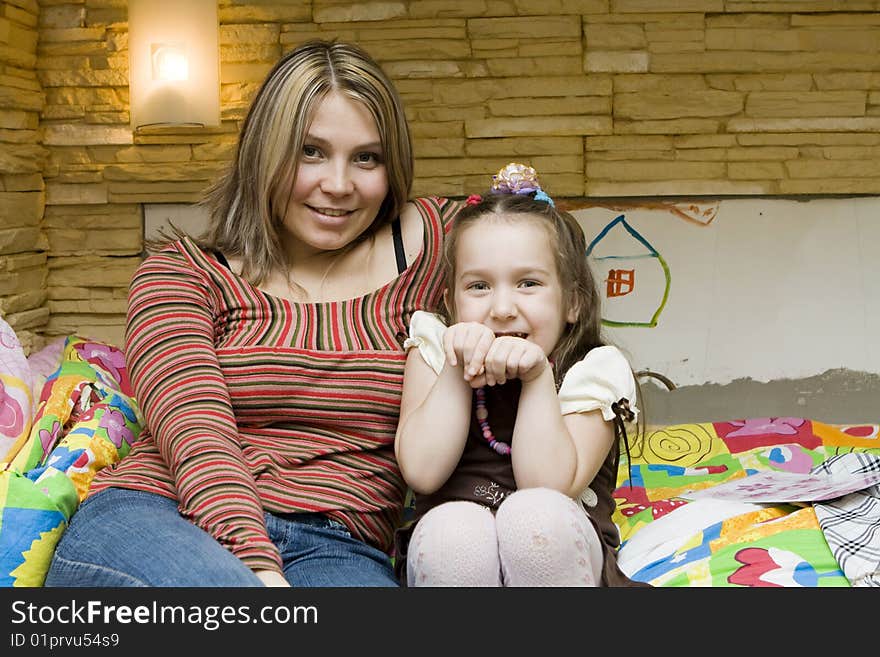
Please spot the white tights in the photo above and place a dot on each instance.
(538, 537)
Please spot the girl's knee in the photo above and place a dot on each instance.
(545, 538)
(457, 521)
(536, 505)
(543, 517)
(454, 544)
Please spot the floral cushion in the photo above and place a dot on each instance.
(16, 394)
(85, 420)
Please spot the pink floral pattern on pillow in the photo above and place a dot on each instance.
(107, 357)
(12, 418)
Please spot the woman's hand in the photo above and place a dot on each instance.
(272, 578)
(513, 358)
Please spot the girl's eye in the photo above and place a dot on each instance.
(478, 285)
(530, 284)
(311, 151)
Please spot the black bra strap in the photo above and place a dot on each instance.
(222, 259)
(399, 253)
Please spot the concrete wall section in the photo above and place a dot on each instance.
(749, 307)
(767, 289)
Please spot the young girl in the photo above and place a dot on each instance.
(511, 417)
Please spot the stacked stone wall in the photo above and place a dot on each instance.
(606, 98)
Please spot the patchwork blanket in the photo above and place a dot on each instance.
(671, 539)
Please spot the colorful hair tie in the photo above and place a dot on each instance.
(541, 195)
(516, 178)
(473, 199)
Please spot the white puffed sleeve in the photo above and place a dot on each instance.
(600, 379)
(426, 332)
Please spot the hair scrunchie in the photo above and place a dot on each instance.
(516, 178)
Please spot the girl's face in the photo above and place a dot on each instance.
(341, 178)
(506, 279)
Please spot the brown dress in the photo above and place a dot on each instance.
(486, 477)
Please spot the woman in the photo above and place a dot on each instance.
(267, 357)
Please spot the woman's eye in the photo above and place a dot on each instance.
(367, 158)
(310, 151)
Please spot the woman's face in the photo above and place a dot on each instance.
(341, 178)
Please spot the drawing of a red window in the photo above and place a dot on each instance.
(620, 282)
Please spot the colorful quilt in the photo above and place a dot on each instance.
(85, 418)
(669, 539)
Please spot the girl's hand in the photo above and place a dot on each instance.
(467, 344)
(513, 358)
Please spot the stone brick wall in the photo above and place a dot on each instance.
(23, 245)
(606, 98)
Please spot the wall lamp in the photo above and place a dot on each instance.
(174, 67)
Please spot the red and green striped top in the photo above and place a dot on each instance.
(254, 402)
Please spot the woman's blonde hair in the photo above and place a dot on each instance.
(246, 206)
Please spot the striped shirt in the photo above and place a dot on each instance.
(256, 403)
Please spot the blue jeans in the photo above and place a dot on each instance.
(120, 538)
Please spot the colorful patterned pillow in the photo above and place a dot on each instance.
(16, 394)
(86, 419)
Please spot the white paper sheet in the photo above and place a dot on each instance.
(774, 487)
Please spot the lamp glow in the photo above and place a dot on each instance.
(174, 62)
(169, 62)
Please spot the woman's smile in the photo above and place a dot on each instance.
(330, 216)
